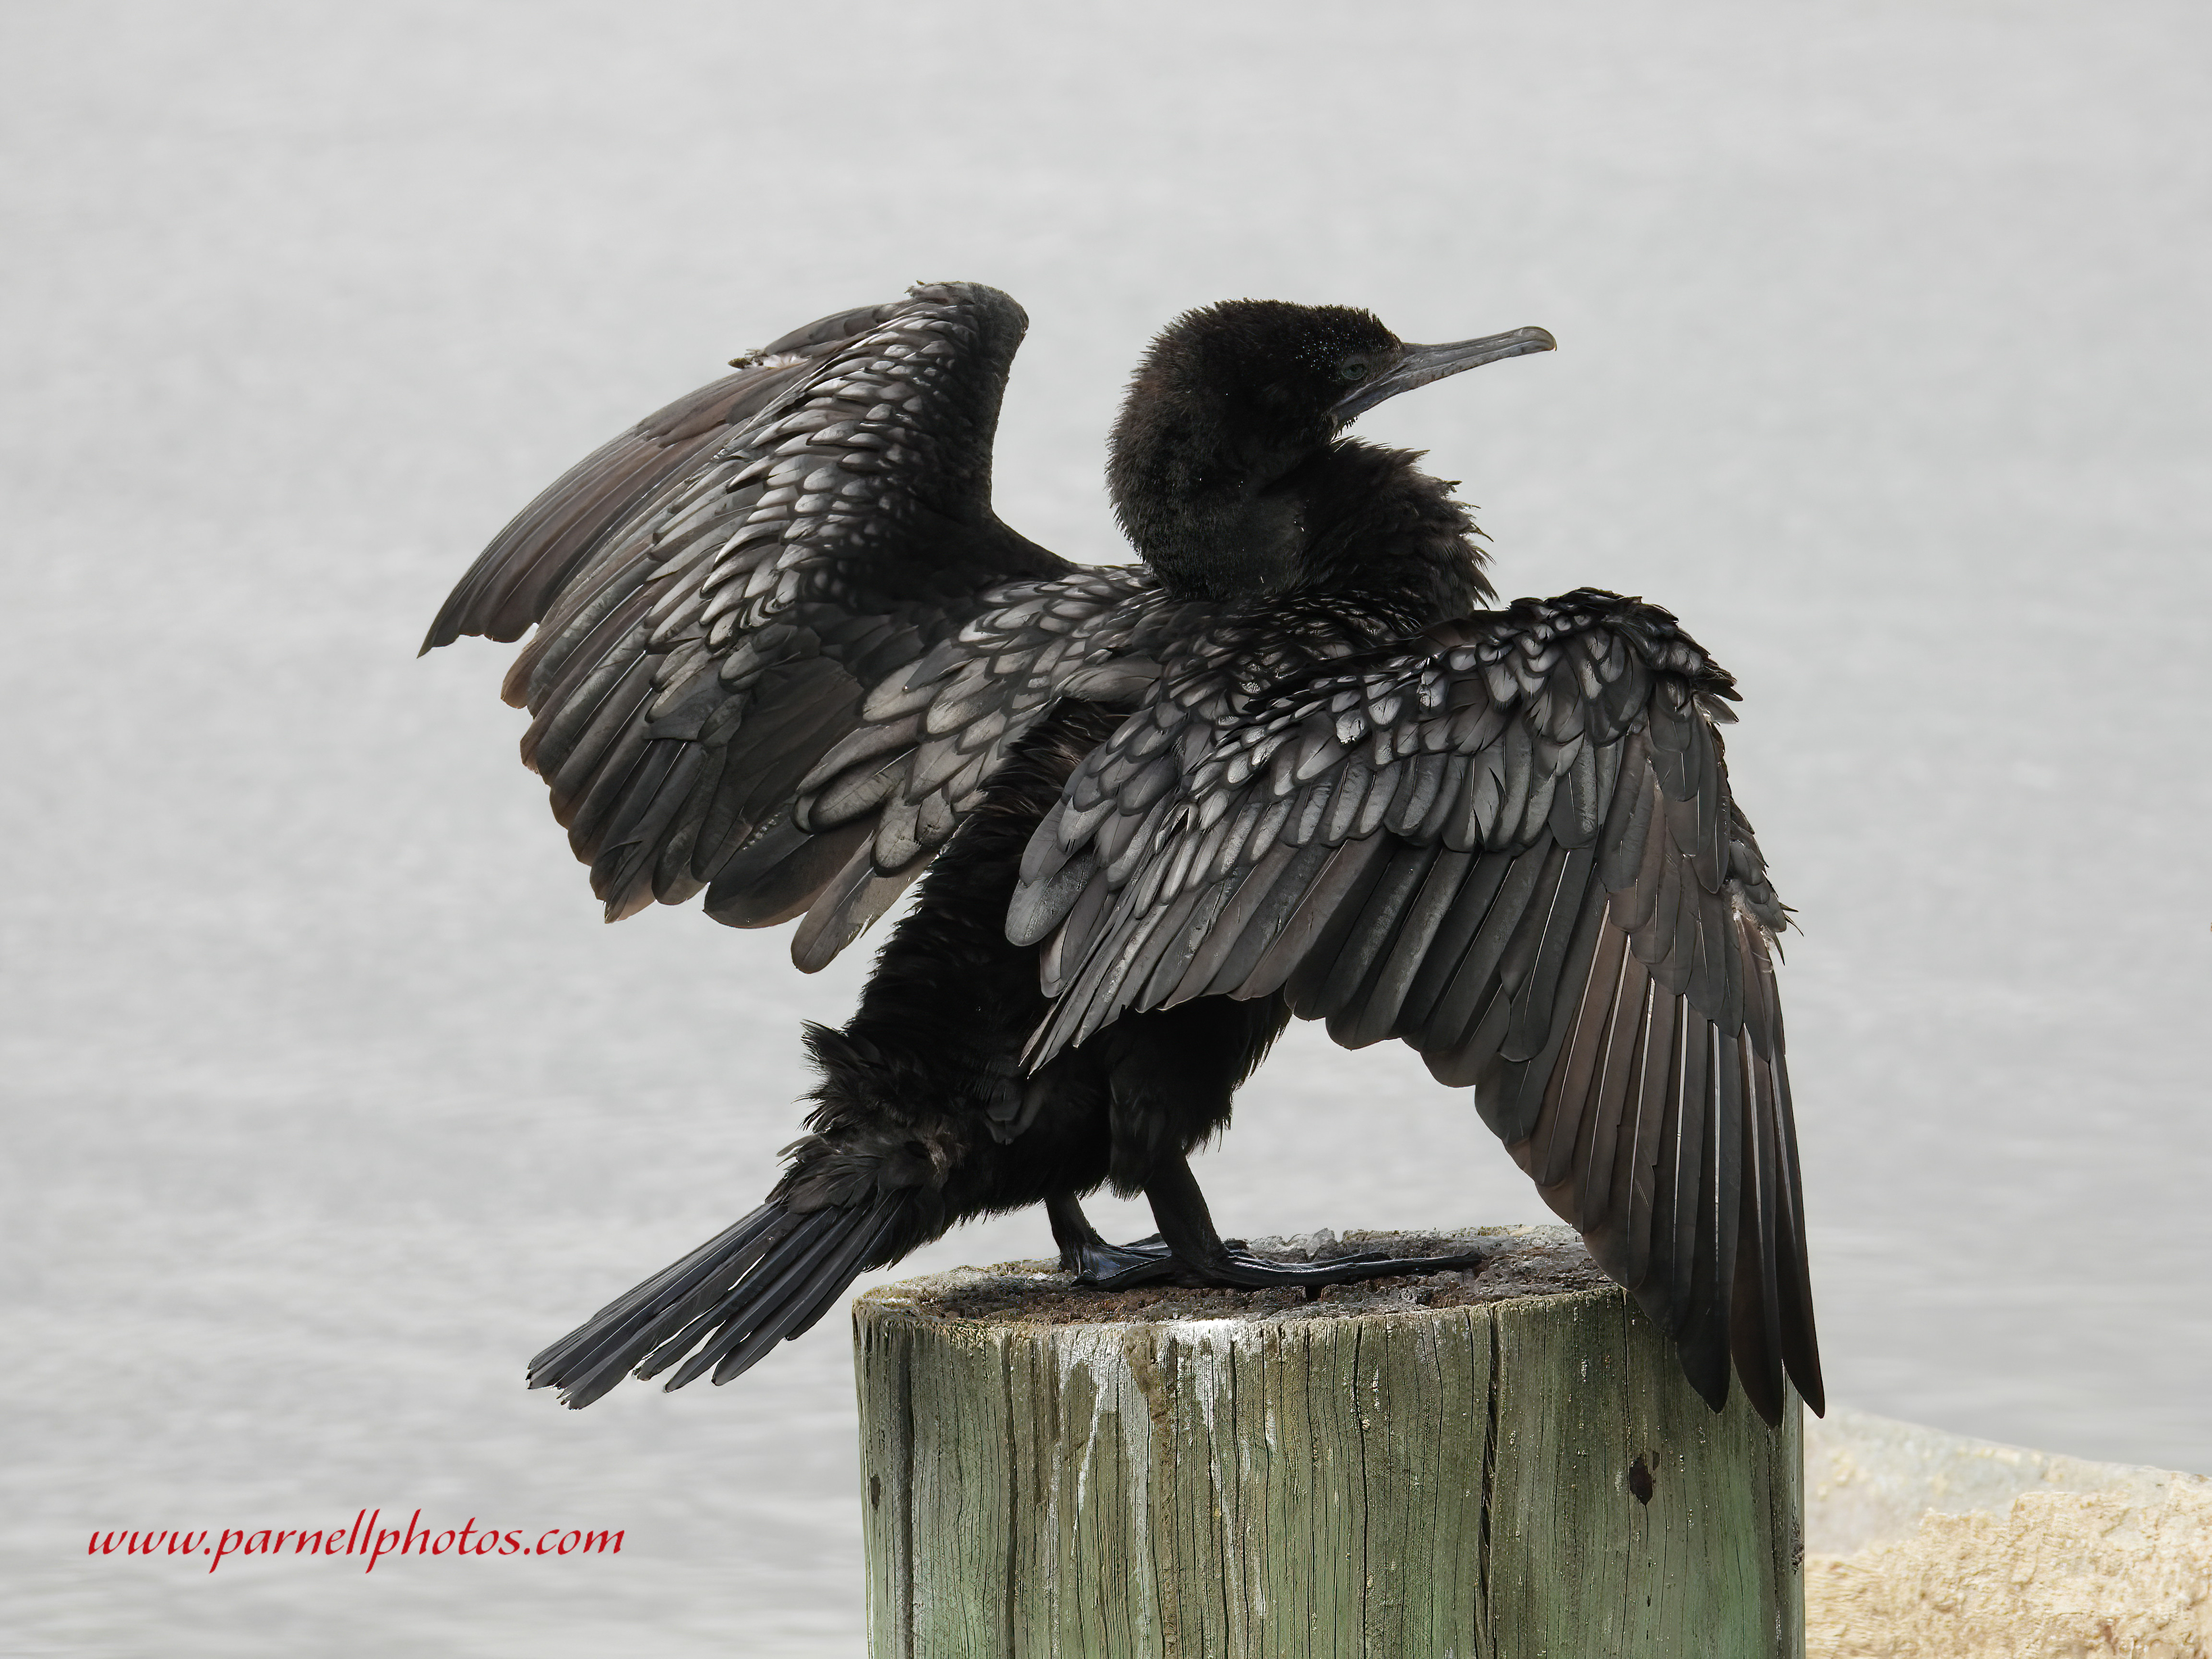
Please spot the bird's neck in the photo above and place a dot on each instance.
(1217, 520)
(1385, 538)
(1349, 525)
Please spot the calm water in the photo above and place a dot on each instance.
(329, 1100)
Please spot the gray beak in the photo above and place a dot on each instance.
(1420, 364)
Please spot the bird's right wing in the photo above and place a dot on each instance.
(1511, 843)
(783, 641)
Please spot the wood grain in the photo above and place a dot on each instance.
(1522, 1476)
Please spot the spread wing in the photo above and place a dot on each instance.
(782, 639)
(1510, 843)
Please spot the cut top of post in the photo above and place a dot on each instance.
(1516, 1262)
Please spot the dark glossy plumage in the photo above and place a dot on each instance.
(785, 654)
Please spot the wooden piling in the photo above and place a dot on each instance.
(1500, 1464)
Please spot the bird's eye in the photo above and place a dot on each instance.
(1353, 370)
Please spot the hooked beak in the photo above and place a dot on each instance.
(1420, 364)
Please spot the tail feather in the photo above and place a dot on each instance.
(816, 1267)
(678, 1279)
(814, 1296)
(770, 1275)
(765, 1284)
(598, 1354)
(827, 1299)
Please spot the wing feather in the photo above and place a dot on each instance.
(1648, 1186)
(1381, 1008)
(1686, 1149)
(1755, 1311)
(1322, 989)
(1561, 1126)
(1479, 971)
(1509, 1091)
(739, 602)
(1421, 1021)
(1246, 923)
(1607, 1154)
(1325, 912)
(1510, 842)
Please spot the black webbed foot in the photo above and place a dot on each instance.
(1099, 1265)
(1236, 1266)
(1214, 1262)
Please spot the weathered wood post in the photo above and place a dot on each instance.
(1501, 1463)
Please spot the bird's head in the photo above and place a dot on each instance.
(1232, 397)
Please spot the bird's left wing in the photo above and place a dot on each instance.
(783, 640)
(1511, 843)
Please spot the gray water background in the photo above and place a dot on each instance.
(328, 1097)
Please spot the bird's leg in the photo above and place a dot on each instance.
(1201, 1257)
(1187, 1250)
(1094, 1262)
(1171, 1073)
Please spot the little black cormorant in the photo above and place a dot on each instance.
(787, 656)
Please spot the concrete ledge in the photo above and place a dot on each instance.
(1936, 1546)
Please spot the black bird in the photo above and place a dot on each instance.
(786, 654)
